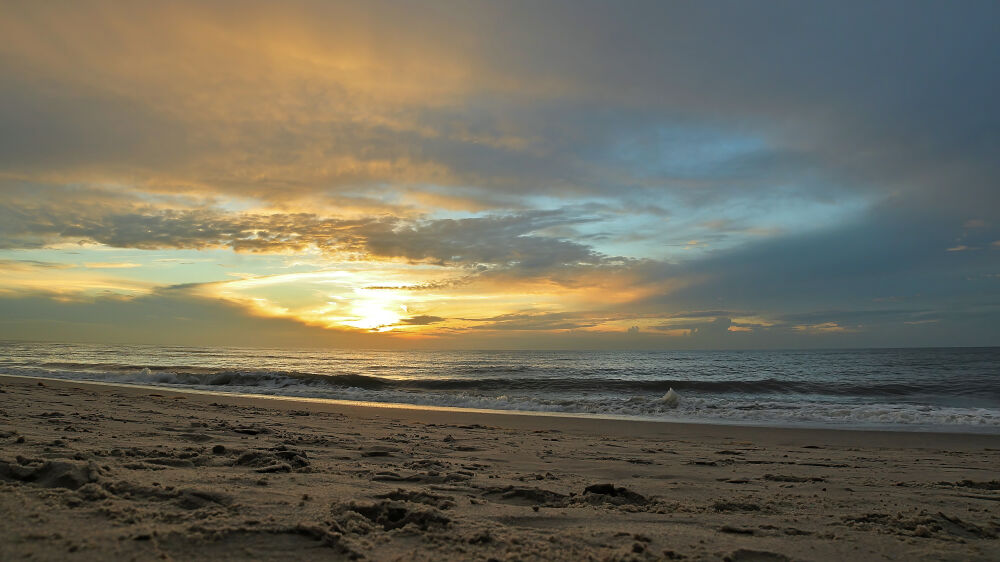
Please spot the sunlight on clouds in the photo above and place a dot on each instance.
(823, 328)
(110, 265)
(374, 312)
(65, 282)
(433, 300)
(334, 298)
(280, 103)
(429, 170)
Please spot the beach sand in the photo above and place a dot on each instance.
(101, 472)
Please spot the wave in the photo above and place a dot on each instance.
(672, 406)
(953, 389)
(547, 382)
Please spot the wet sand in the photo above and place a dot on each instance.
(91, 471)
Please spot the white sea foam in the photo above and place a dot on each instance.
(671, 399)
(669, 407)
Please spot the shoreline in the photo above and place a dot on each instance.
(549, 420)
(617, 425)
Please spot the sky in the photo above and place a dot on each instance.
(515, 175)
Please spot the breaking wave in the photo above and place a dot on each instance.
(891, 389)
(202, 376)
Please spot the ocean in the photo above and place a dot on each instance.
(950, 389)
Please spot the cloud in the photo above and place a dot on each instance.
(353, 98)
(30, 265)
(701, 328)
(854, 317)
(164, 315)
(537, 321)
(824, 328)
(63, 281)
(717, 326)
(510, 240)
(704, 314)
(782, 160)
(504, 240)
(111, 265)
(422, 320)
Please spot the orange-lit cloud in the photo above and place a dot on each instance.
(485, 170)
(110, 265)
(32, 277)
(824, 328)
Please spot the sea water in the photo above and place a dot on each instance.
(951, 389)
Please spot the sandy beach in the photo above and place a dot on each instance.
(91, 471)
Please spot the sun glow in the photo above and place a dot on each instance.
(420, 300)
(375, 315)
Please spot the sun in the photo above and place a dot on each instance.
(381, 315)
